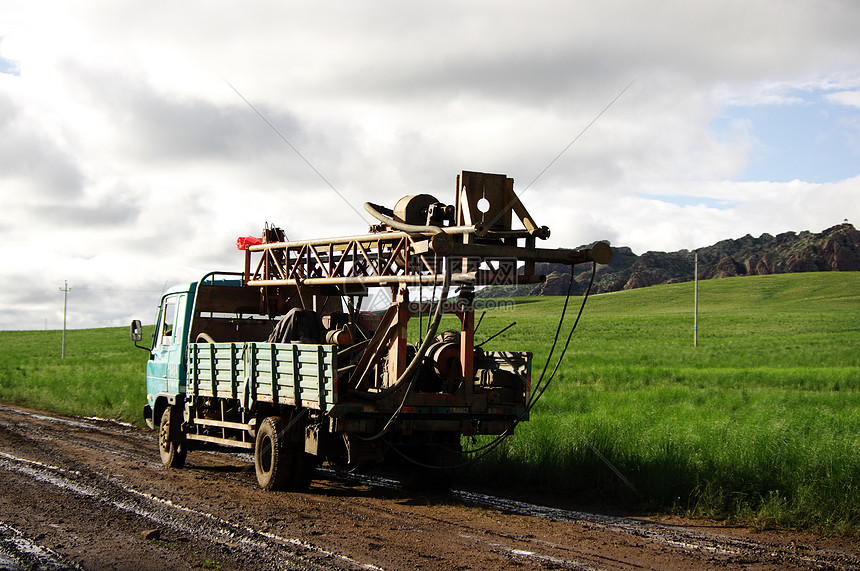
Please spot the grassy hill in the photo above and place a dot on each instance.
(834, 249)
(760, 423)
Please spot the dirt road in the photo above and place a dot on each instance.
(90, 494)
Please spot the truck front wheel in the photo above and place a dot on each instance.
(271, 453)
(172, 452)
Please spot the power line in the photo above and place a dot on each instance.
(580, 134)
(519, 194)
(301, 156)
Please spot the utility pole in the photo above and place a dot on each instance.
(696, 300)
(65, 290)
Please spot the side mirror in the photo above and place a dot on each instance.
(135, 330)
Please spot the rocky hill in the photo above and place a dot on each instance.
(834, 249)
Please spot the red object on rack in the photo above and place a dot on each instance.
(242, 242)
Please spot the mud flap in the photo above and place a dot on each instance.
(176, 422)
(312, 439)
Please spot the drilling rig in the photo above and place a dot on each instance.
(286, 360)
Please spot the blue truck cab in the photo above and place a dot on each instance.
(174, 333)
(166, 370)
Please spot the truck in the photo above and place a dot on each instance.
(304, 356)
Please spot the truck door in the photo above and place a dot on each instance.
(165, 372)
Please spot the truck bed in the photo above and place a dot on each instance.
(282, 373)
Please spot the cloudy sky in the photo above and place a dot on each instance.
(130, 158)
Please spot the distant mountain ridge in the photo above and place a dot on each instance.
(834, 249)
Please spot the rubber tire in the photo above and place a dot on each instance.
(172, 453)
(272, 460)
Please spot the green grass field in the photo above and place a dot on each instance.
(102, 374)
(759, 424)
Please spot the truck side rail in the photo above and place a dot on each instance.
(301, 375)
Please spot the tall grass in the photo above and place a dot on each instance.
(760, 423)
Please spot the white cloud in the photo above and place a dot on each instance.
(850, 98)
(755, 208)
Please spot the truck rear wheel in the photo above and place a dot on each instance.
(271, 455)
(281, 463)
(172, 451)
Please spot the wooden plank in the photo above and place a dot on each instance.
(212, 364)
(311, 384)
(222, 351)
(234, 369)
(303, 369)
(273, 371)
(296, 374)
(194, 358)
(252, 380)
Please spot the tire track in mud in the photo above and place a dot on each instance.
(263, 547)
(19, 553)
(468, 537)
(671, 536)
(71, 476)
(60, 444)
(88, 434)
(680, 538)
